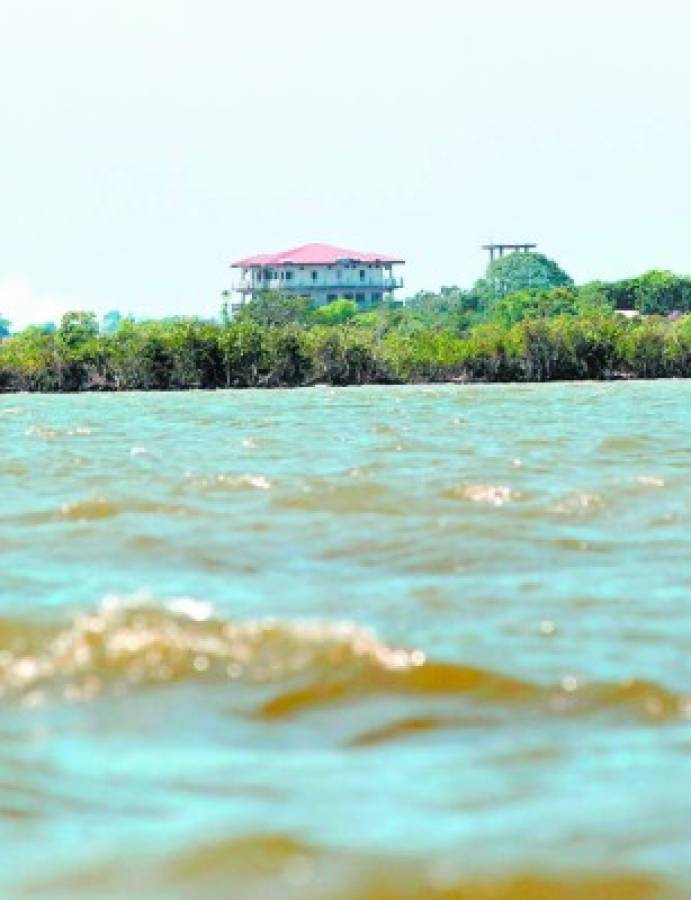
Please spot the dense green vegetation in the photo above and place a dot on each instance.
(521, 272)
(489, 333)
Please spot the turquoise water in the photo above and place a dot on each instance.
(368, 642)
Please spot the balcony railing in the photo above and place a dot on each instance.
(275, 284)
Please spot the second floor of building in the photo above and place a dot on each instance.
(337, 277)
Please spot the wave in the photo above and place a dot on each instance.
(46, 432)
(228, 482)
(350, 498)
(291, 865)
(94, 509)
(302, 869)
(276, 864)
(490, 494)
(124, 646)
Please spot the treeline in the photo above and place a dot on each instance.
(383, 346)
(508, 294)
(525, 320)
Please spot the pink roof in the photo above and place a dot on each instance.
(314, 255)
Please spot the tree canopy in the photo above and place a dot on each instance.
(521, 272)
(77, 328)
(335, 313)
(274, 308)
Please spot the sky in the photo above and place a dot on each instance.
(146, 144)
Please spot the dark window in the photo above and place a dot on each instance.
(331, 298)
(289, 276)
(362, 274)
(360, 298)
(314, 276)
(347, 296)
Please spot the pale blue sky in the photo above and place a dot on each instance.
(147, 143)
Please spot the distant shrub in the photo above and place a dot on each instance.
(336, 313)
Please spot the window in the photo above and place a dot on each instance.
(331, 297)
(314, 275)
(360, 298)
(362, 274)
(289, 276)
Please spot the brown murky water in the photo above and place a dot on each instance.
(363, 643)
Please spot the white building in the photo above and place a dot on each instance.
(321, 272)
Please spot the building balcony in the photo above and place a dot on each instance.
(307, 287)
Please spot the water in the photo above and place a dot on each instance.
(374, 642)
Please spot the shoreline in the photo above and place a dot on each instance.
(448, 382)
